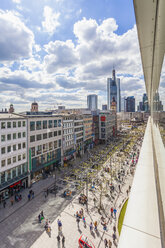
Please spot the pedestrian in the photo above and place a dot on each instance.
(106, 242)
(95, 225)
(94, 200)
(4, 203)
(91, 226)
(45, 194)
(119, 188)
(29, 197)
(129, 187)
(49, 229)
(115, 211)
(127, 192)
(58, 239)
(110, 243)
(42, 215)
(12, 201)
(63, 241)
(114, 229)
(114, 237)
(111, 212)
(78, 221)
(39, 218)
(84, 221)
(59, 225)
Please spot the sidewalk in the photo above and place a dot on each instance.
(70, 229)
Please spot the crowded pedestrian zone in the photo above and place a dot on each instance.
(96, 191)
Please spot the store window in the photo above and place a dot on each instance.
(3, 150)
(32, 138)
(14, 124)
(50, 124)
(3, 163)
(38, 125)
(8, 124)
(19, 123)
(14, 136)
(19, 170)
(44, 124)
(24, 168)
(8, 175)
(55, 123)
(9, 161)
(32, 126)
(9, 137)
(39, 149)
(14, 172)
(2, 138)
(3, 125)
(9, 149)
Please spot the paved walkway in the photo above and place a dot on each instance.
(72, 231)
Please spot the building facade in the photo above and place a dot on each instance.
(88, 132)
(79, 134)
(130, 104)
(92, 102)
(44, 144)
(107, 125)
(13, 154)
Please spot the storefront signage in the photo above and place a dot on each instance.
(11, 186)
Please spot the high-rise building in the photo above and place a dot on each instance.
(123, 104)
(144, 106)
(92, 102)
(130, 104)
(104, 107)
(113, 91)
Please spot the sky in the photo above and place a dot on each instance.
(59, 51)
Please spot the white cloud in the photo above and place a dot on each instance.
(17, 40)
(16, 1)
(51, 21)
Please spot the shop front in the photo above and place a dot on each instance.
(69, 155)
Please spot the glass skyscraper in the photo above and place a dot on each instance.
(113, 91)
(92, 102)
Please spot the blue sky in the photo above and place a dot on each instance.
(59, 51)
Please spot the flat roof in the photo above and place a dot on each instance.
(10, 116)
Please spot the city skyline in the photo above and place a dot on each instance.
(68, 51)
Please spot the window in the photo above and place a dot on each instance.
(38, 125)
(14, 147)
(39, 149)
(3, 162)
(9, 161)
(24, 145)
(38, 136)
(2, 138)
(14, 172)
(59, 132)
(59, 123)
(44, 135)
(24, 156)
(19, 157)
(3, 150)
(8, 124)
(55, 133)
(55, 123)
(55, 144)
(14, 124)
(50, 134)
(14, 159)
(44, 124)
(9, 149)
(24, 134)
(3, 125)
(24, 123)
(32, 126)
(32, 138)
(50, 145)
(14, 135)
(9, 137)
(59, 143)
(33, 151)
(19, 135)
(50, 123)
(19, 146)
(19, 123)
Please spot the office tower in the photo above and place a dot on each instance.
(104, 107)
(130, 104)
(92, 102)
(144, 106)
(123, 104)
(113, 91)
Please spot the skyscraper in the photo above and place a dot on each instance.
(113, 91)
(92, 102)
(130, 104)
